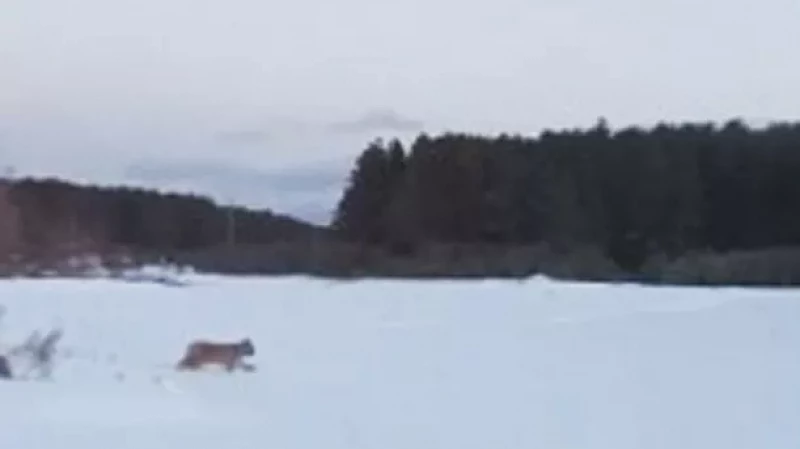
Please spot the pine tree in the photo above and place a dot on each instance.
(359, 214)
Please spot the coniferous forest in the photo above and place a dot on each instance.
(675, 203)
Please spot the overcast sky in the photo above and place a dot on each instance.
(212, 95)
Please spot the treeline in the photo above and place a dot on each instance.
(678, 203)
(45, 221)
(655, 203)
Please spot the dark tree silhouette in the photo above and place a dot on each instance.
(633, 192)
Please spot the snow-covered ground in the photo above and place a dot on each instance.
(407, 365)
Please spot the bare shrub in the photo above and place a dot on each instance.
(39, 352)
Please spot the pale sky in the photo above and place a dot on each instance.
(267, 103)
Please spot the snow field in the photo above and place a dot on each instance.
(408, 365)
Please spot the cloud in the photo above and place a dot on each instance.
(277, 130)
(378, 120)
(296, 179)
(307, 191)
